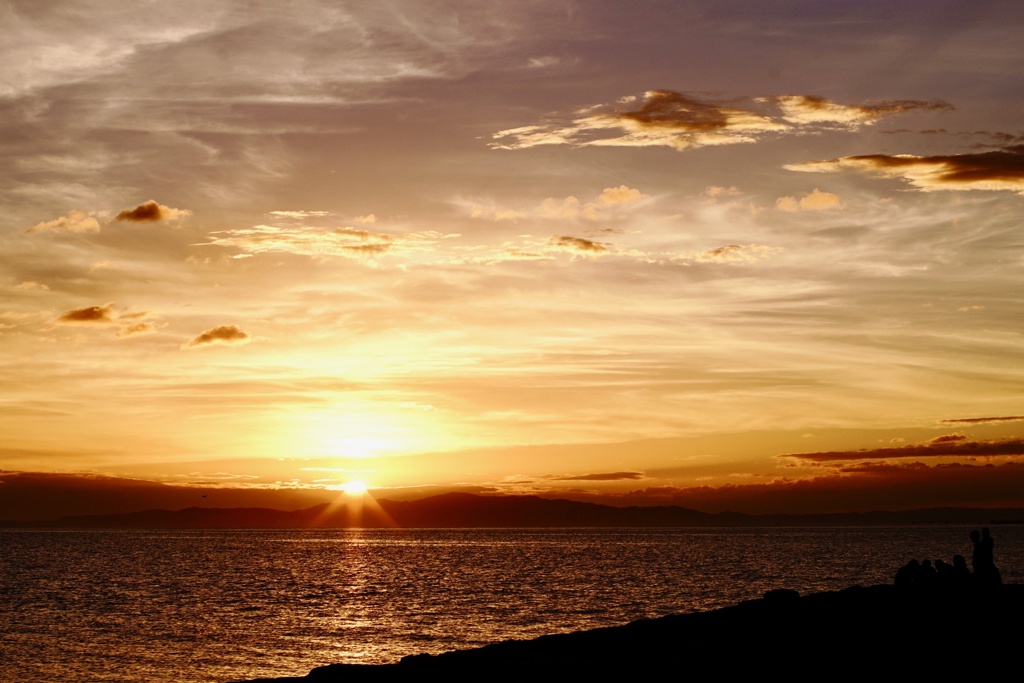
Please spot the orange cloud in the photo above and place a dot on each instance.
(222, 334)
(90, 314)
(151, 211)
(134, 329)
(805, 109)
(663, 118)
(578, 245)
(132, 323)
(680, 121)
(997, 170)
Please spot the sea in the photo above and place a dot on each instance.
(226, 605)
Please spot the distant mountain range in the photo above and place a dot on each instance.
(464, 510)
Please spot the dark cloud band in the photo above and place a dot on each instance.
(955, 445)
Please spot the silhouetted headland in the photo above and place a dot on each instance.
(967, 623)
(465, 510)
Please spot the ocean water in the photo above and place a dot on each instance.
(214, 605)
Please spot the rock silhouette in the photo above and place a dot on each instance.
(859, 631)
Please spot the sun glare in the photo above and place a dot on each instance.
(354, 488)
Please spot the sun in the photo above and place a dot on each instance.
(355, 488)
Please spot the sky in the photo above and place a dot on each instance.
(756, 256)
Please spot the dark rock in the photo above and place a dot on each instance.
(876, 631)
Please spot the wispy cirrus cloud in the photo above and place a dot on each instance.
(1001, 169)
(300, 214)
(681, 121)
(374, 248)
(136, 328)
(735, 253)
(32, 285)
(318, 242)
(982, 420)
(533, 249)
(599, 476)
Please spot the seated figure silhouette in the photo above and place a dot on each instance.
(906, 576)
(946, 573)
(963, 574)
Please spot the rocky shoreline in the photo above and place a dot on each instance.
(859, 631)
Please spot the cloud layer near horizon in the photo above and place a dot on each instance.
(28, 496)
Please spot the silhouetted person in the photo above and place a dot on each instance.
(985, 571)
(987, 548)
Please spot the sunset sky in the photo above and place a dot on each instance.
(763, 256)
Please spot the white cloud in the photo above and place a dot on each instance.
(816, 200)
(603, 206)
(32, 285)
(76, 221)
(299, 214)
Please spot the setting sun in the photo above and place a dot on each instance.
(355, 488)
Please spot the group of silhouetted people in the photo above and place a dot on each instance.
(982, 574)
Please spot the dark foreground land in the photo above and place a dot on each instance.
(876, 631)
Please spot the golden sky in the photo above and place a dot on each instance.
(729, 255)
